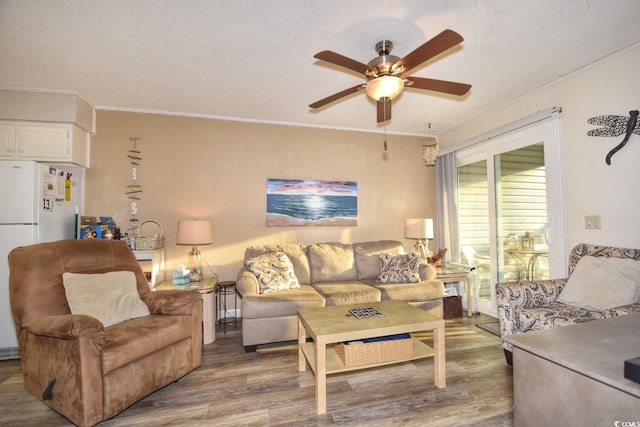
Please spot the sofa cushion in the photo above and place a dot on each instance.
(421, 291)
(274, 272)
(403, 268)
(599, 283)
(297, 255)
(110, 297)
(342, 293)
(283, 303)
(367, 260)
(332, 262)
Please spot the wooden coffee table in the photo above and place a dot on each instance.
(327, 325)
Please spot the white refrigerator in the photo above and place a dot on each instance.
(39, 203)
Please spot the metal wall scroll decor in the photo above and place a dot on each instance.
(615, 126)
(134, 189)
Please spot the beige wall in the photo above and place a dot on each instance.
(591, 187)
(205, 168)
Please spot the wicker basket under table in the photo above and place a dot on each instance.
(452, 307)
(374, 352)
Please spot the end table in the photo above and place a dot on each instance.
(448, 274)
(223, 289)
(206, 289)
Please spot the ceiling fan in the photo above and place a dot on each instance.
(384, 73)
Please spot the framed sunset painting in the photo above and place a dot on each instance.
(296, 202)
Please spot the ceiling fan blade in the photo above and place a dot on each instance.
(335, 96)
(343, 61)
(443, 41)
(438, 85)
(384, 110)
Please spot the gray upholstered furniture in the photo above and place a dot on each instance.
(574, 376)
(532, 306)
(329, 274)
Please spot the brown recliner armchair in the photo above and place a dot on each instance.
(78, 367)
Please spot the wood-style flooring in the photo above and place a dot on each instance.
(233, 388)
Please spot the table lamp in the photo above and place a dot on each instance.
(420, 229)
(194, 232)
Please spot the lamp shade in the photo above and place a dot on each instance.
(194, 232)
(384, 87)
(418, 228)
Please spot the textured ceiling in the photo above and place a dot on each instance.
(253, 59)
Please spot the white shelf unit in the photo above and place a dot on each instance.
(152, 263)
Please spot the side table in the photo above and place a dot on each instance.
(206, 289)
(223, 289)
(457, 275)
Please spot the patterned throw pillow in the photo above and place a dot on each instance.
(274, 271)
(403, 268)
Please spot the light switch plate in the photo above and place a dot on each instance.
(592, 222)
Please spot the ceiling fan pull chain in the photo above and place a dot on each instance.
(385, 138)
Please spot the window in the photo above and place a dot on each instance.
(509, 211)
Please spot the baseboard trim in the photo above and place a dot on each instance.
(229, 313)
(9, 353)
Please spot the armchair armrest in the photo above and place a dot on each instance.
(529, 294)
(514, 296)
(61, 359)
(172, 302)
(67, 327)
(247, 283)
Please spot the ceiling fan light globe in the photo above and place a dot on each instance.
(384, 87)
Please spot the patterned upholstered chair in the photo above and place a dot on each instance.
(532, 306)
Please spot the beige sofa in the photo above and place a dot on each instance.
(329, 274)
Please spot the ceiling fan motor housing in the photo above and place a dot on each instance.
(384, 47)
(383, 65)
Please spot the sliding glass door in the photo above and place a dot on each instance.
(510, 213)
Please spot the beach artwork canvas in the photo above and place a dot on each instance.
(295, 202)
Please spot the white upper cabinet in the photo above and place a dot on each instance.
(7, 140)
(53, 127)
(51, 142)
